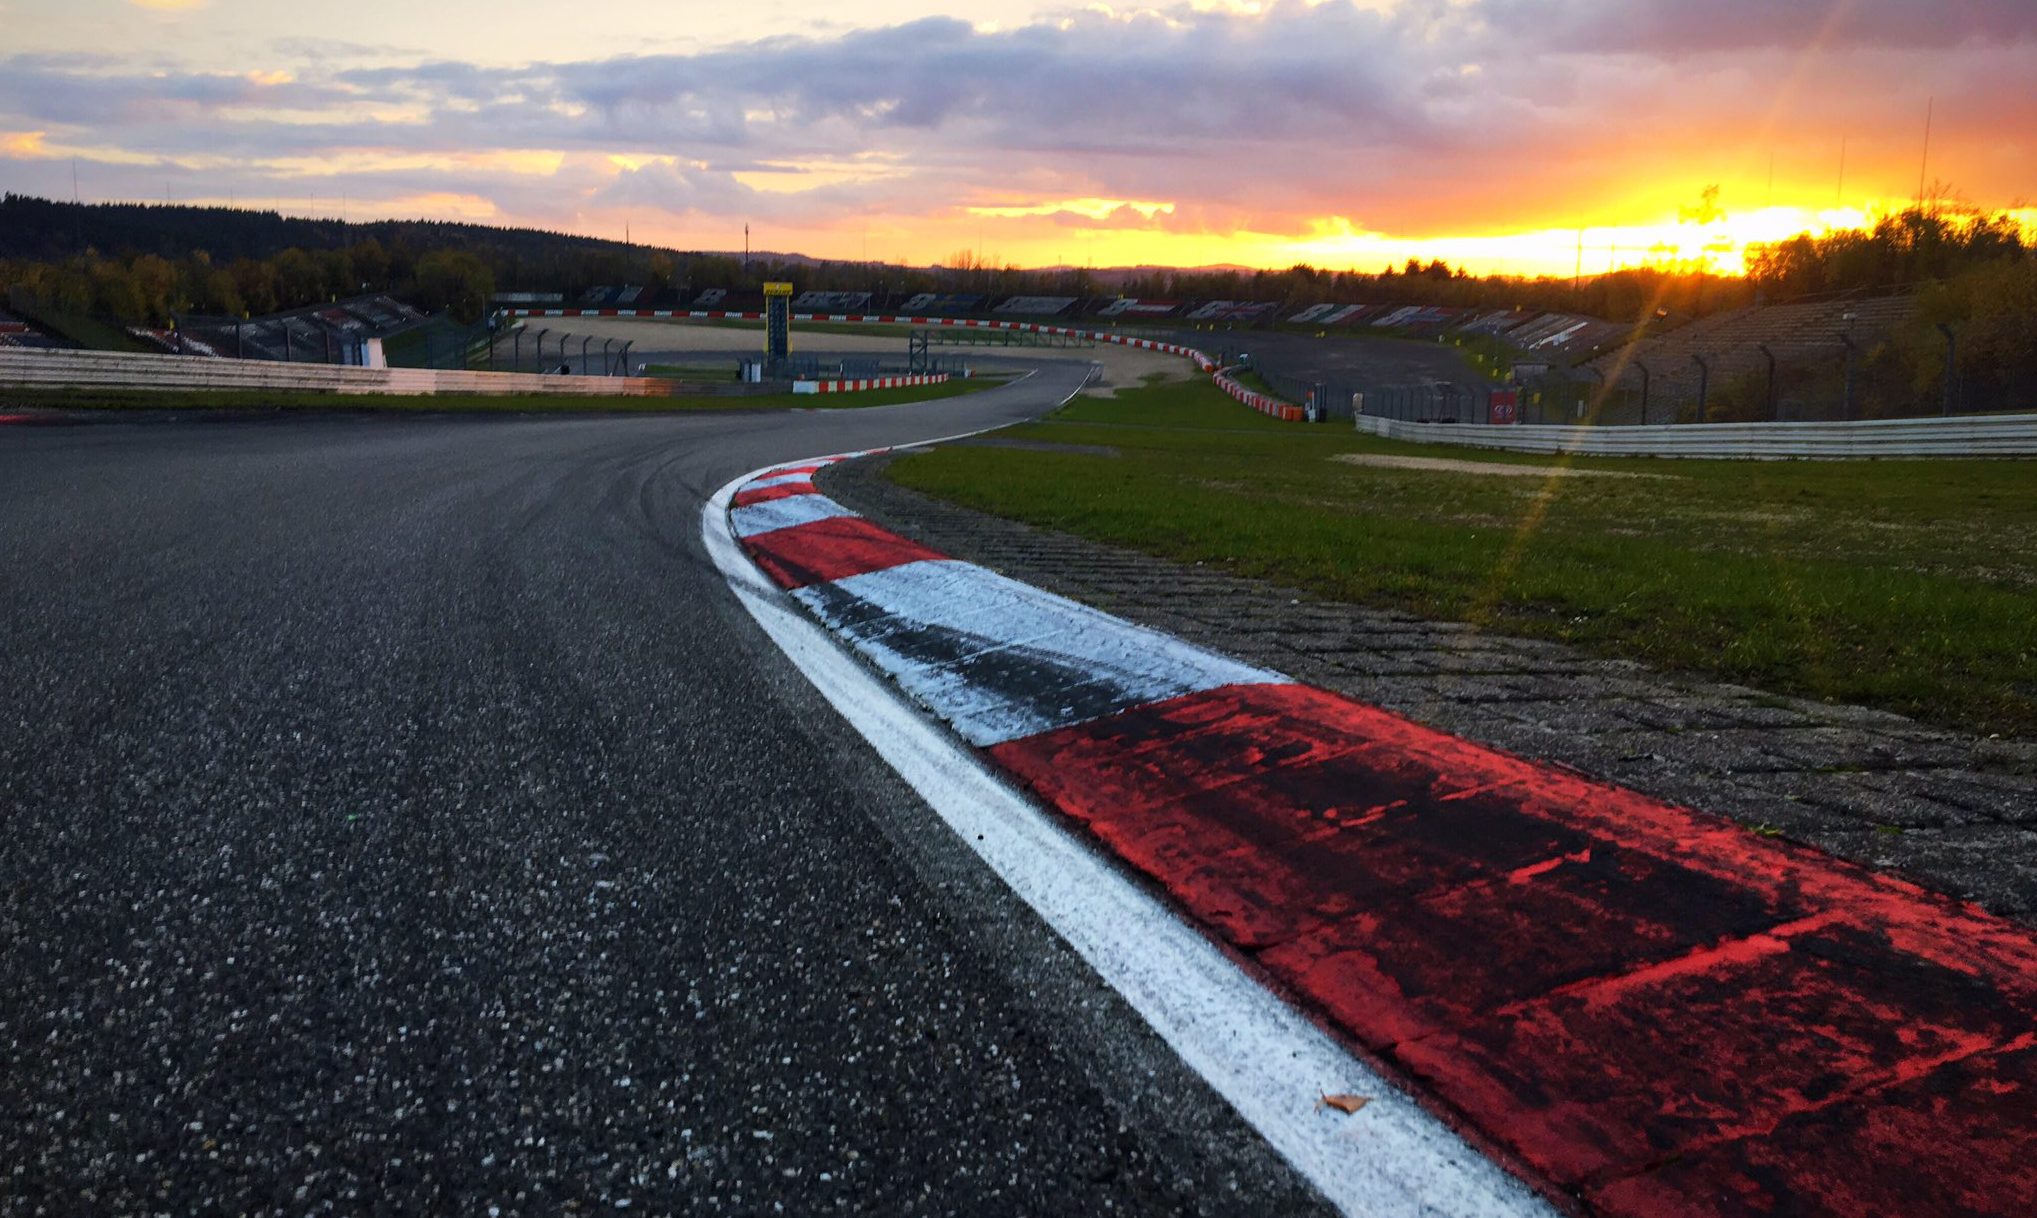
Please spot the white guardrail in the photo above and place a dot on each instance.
(2000, 435)
(118, 370)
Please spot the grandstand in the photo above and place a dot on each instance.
(1144, 309)
(831, 302)
(1035, 306)
(17, 333)
(940, 304)
(1731, 346)
(319, 334)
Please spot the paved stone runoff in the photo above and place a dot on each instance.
(1955, 813)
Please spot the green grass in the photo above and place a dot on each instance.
(144, 399)
(1908, 585)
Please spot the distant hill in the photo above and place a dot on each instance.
(44, 229)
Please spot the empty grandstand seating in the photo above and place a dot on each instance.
(1035, 306)
(831, 302)
(1133, 306)
(939, 304)
(711, 298)
(324, 333)
(1730, 344)
(15, 332)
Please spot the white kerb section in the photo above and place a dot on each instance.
(1389, 1160)
(784, 513)
(1074, 663)
(777, 480)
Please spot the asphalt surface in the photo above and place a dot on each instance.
(401, 817)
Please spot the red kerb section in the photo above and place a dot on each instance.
(831, 549)
(1651, 1007)
(766, 494)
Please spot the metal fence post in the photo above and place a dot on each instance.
(1645, 378)
(1704, 382)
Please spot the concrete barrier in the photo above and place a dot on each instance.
(118, 370)
(2000, 435)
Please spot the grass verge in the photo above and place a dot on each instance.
(1906, 585)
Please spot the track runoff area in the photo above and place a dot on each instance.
(1634, 1008)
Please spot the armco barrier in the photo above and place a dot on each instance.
(878, 382)
(2002, 435)
(1265, 404)
(117, 370)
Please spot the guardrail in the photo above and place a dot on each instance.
(1264, 403)
(2001, 435)
(118, 370)
(866, 383)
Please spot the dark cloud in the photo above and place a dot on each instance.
(1678, 28)
(1302, 110)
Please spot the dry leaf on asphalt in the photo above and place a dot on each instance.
(1346, 1104)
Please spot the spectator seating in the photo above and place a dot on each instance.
(1034, 306)
(831, 302)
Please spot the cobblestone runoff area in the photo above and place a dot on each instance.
(1953, 812)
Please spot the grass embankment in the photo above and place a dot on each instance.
(144, 399)
(1909, 585)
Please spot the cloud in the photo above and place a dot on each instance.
(1475, 115)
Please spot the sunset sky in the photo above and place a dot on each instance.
(1038, 132)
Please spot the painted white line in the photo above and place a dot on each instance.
(784, 514)
(1007, 659)
(1389, 1160)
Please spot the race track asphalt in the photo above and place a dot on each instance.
(400, 816)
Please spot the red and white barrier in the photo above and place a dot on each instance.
(1272, 407)
(879, 382)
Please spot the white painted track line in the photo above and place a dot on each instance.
(1267, 1061)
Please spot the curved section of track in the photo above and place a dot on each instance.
(402, 812)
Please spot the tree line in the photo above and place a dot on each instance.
(143, 263)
